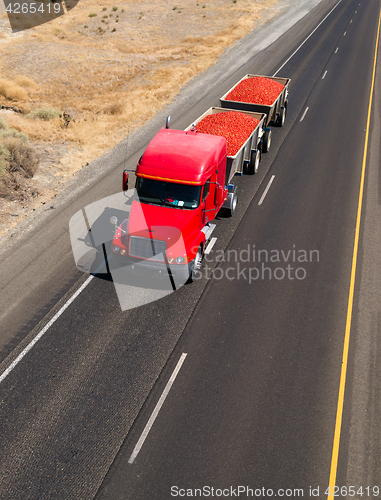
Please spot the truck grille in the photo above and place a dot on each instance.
(146, 248)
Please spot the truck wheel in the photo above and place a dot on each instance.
(266, 141)
(233, 205)
(255, 158)
(230, 204)
(281, 117)
(194, 275)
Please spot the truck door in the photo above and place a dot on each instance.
(207, 201)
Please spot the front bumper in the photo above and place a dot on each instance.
(147, 268)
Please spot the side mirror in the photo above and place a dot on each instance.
(218, 195)
(114, 221)
(125, 181)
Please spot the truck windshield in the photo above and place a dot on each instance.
(167, 193)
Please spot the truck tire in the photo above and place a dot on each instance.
(194, 275)
(266, 141)
(282, 116)
(233, 205)
(255, 158)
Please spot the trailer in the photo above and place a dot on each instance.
(247, 158)
(275, 112)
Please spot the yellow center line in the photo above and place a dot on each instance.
(340, 403)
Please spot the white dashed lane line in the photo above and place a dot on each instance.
(266, 190)
(304, 114)
(155, 412)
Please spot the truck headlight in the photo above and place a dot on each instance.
(180, 260)
(123, 251)
(116, 249)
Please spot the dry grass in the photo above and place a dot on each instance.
(36, 129)
(12, 91)
(114, 108)
(26, 82)
(109, 83)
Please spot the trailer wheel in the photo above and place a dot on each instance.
(194, 275)
(282, 116)
(255, 158)
(266, 141)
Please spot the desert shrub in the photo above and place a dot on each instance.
(4, 160)
(3, 124)
(18, 162)
(11, 132)
(44, 114)
(12, 91)
(116, 108)
(21, 156)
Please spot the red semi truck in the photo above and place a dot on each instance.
(181, 184)
(183, 179)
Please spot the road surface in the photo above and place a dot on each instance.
(254, 401)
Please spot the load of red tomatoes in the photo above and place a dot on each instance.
(258, 90)
(236, 127)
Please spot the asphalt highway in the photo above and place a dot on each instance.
(234, 380)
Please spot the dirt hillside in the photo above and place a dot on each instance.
(100, 71)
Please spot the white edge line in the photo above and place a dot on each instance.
(266, 190)
(312, 32)
(158, 406)
(44, 330)
(210, 246)
(304, 114)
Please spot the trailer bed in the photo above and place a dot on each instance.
(236, 164)
(272, 111)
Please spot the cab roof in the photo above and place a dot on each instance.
(179, 156)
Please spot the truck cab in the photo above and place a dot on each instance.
(181, 184)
